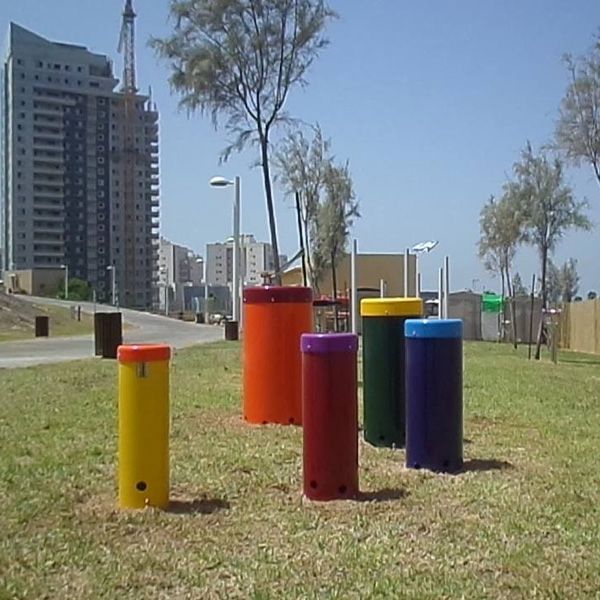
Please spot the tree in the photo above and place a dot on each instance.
(553, 285)
(519, 288)
(79, 290)
(547, 206)
(237, 60)
(336, 214)
(301, 165)
(592, 295)
(578, 126)
(569, 280)
(501, 233)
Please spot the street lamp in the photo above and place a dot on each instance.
(113, 273)
(66, 268)
(418, 249)
(222, 182)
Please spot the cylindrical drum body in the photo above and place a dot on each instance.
(383, 367)
(434, 394)
(330, 416)
(274, 320)
(144, 426)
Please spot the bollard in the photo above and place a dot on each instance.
(274, 320)
(144, 426)
(434, 402)
(42, 327)
(383, 368)
(330, 415)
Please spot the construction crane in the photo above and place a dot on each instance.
(129, 155)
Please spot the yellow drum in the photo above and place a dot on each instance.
(144, 426)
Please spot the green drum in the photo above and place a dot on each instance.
(384, 368)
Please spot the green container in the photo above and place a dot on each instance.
(384, 368)
(492, 303)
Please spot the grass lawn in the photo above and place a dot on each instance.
(523, 520)
(61, 324)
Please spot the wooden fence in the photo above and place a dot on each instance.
(580, 326)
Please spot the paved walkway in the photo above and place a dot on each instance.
(145, 328)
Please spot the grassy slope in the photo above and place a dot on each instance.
(17, 319)
(523, 518)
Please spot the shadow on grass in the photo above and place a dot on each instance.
(384, 495)
(482, 464)
(203, 506)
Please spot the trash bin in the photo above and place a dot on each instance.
(231, 331)
(108, 334)
(274, 320)
(144, 426)
(42, 327)
(200, 318)
(434, 394)
(330, 416)
(383, 368)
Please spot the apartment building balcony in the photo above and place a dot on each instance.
(43, 160)
(47, 135)
(55, 251)
(42, 169)
(41, 120)
(47, 237)
(50, 195)
(44, 226)
(41, 96)
(49, 183)
(50, 213)
(51, 110)
(44, 145)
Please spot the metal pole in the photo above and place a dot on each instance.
(354, 286)
(406, 279)
(417, 277)
(66, 282)
(113, 275)
(531, 315)
(446, 285)
(382, 288)
(441, 293)
(236, 251)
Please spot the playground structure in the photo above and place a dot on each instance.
(412, 389)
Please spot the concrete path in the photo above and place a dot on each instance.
(145, 328)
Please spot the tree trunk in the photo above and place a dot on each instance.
(264, 152)
(307, 242)
(503, 293)
(538, 348)
(301, 238)
(334, 284)
(513, 311)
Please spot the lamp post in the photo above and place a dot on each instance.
(418, 249)
(66, 268)
(222, 182)
(113, 275)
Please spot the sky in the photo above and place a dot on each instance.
(431, 102)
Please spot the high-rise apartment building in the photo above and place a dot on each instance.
(67, 137)
(256, 259)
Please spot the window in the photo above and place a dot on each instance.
(94, 84)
